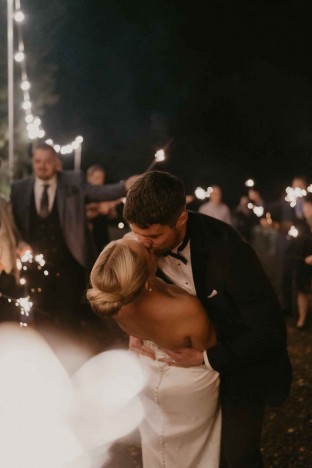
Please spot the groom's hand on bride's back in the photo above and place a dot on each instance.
(137, 345)
(184, 357)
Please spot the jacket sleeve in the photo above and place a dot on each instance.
(261, 322)
(104, 192)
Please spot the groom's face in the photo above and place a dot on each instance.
(158, 237)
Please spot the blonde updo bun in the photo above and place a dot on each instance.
(117, 278)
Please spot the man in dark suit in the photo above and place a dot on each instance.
(49, 210)
(210, 259)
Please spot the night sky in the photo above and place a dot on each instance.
(229, 81)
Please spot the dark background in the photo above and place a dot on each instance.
(229, 81)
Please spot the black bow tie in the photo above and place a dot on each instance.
(177, 256)
(182, 246)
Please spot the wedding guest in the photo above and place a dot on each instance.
(302, 251)
(99, 213)
(215, 207)
(49, 210)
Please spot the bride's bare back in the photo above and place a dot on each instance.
(168, 316)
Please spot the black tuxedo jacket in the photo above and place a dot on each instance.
(251, 354)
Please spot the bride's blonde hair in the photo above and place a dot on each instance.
(117, 278)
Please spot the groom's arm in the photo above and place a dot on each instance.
(257, 309)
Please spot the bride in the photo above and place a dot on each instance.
(182, 423)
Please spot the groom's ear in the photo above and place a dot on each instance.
(182, 219)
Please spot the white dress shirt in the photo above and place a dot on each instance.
(38, 190)
(181, 274)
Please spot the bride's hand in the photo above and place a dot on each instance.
(137, 345)
(184, 357)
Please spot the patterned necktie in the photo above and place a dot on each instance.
(44, 202)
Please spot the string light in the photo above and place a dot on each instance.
(34, 128)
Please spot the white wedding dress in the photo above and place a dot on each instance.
(182, 423)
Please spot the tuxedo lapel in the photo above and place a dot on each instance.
(200, 257)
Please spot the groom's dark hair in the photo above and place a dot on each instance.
(155, 198)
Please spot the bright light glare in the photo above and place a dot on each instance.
(55, 420)
(107, 398)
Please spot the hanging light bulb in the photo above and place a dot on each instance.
(26, 105)
(29, 118)
(19, 56)
(19, 16)
(25, 85)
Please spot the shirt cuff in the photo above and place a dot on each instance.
(207, 363)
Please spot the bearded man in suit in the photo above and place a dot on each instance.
(49, 210)
(208, 258)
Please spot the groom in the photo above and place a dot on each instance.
(209, 259)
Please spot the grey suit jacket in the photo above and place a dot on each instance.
(71, 195)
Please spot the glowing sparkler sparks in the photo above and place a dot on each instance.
(293, 232)
(201, 193)
(257, 209)
(27, 256)
(25, 307)
(40, 260)
(159, 156)
(72, 419)
(250, 183)
(293, 194)
(25, 304)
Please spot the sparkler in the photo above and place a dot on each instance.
(257, 209)
(292, 194)
(160, 156)
(293, 232)
(250, 183)
(25, 306)
(201, 193)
